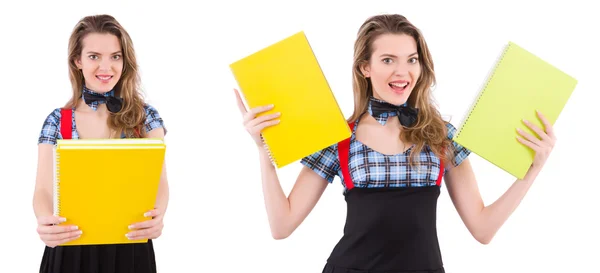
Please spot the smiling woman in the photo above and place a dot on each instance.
(106, 103)
(393, 164)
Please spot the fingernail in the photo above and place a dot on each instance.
(62, 219)
(80, 232)
(271, 105)
(74, 227)
(525, 121)
(278, 114)
(519, 129)
(131, 227)
(146, 214)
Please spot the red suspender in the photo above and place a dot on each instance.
(439, 180)
(66, 126)
(344, 153)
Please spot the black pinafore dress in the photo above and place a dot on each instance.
(391, 230)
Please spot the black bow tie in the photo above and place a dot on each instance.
(406, 114)
(113, 104)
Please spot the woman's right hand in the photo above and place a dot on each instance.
(52, 234)
(254, 125)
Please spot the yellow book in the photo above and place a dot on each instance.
(519, 84)
(103, 186)
(287, 75)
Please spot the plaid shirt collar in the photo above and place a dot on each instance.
(382, 119)
(94, 105)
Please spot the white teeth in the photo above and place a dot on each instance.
(401, 85)
(103, 78)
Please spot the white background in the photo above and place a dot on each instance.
(216, 221)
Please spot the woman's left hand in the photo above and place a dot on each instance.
(543, 145)
(150, 229)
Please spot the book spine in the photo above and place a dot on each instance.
(56, 187)
(482, 89)
(269, 153)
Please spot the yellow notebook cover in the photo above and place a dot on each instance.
(287, 75)
(103, 186)
(519, 84)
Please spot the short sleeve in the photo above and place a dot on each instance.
(153, 119)
(324, 162)
(460, 153)
(50, 129)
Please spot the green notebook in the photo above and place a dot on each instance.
(519, 84)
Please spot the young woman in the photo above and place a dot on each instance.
(106, 103)
(393, 164)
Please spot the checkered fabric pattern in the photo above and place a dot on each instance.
(371, 169)
(51, 128)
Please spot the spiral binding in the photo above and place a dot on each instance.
(485, 84)
(269, 153)
(56, 187)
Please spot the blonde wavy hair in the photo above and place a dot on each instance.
(131, 118)
(430, 128)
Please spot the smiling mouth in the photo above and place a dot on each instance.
(104, 78)
(399, 87)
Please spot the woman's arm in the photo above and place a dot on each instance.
(42, 196)
(286, 213)
(484, 221)
(49, 231)
(162, 198)
(152, 229)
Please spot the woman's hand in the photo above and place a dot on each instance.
(150, 229)
(254, 125)
(542, 145)
(52, 234)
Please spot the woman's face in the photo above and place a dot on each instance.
(393, 67)
(101, 61)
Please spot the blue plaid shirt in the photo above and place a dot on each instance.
(371, 169)
(51, 127)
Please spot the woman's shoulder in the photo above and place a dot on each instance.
(54, 115)
(151, 112)
(150, 109)
(51, 127)
(460, 152)
(450, 129)
(153, 118)
(324, 162)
